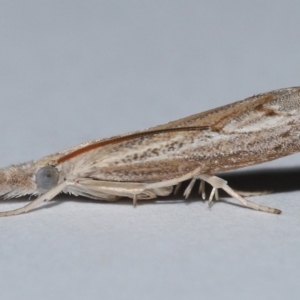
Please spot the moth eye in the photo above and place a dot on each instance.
(47, 177)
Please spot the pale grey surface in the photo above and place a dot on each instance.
(71, 71)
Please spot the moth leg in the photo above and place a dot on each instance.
(134, 200)
(251, 204)
(217, 194)
(135, 190)
(252, 193)
(189, 188)
(174, 181)
(31, 205)
(107, 190)
(177, 188)
(217, 182)
(144, 195)
(214, 192)
(177, 181)
(202, 189)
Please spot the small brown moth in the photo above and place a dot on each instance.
(149, 163)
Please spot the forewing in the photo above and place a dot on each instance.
(242, 112)
(216, 140)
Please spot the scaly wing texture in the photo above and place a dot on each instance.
(230, 112)
(257, 129)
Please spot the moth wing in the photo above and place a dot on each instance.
(275, 111)
(229, 118)
(241, 113)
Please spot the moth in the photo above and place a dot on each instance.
(146, 164)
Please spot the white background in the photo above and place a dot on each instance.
(72, 71)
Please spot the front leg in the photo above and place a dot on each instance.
(112, 190)
(106, 190)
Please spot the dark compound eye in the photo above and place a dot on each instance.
(47, 177)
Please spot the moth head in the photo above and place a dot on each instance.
(28, 178)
